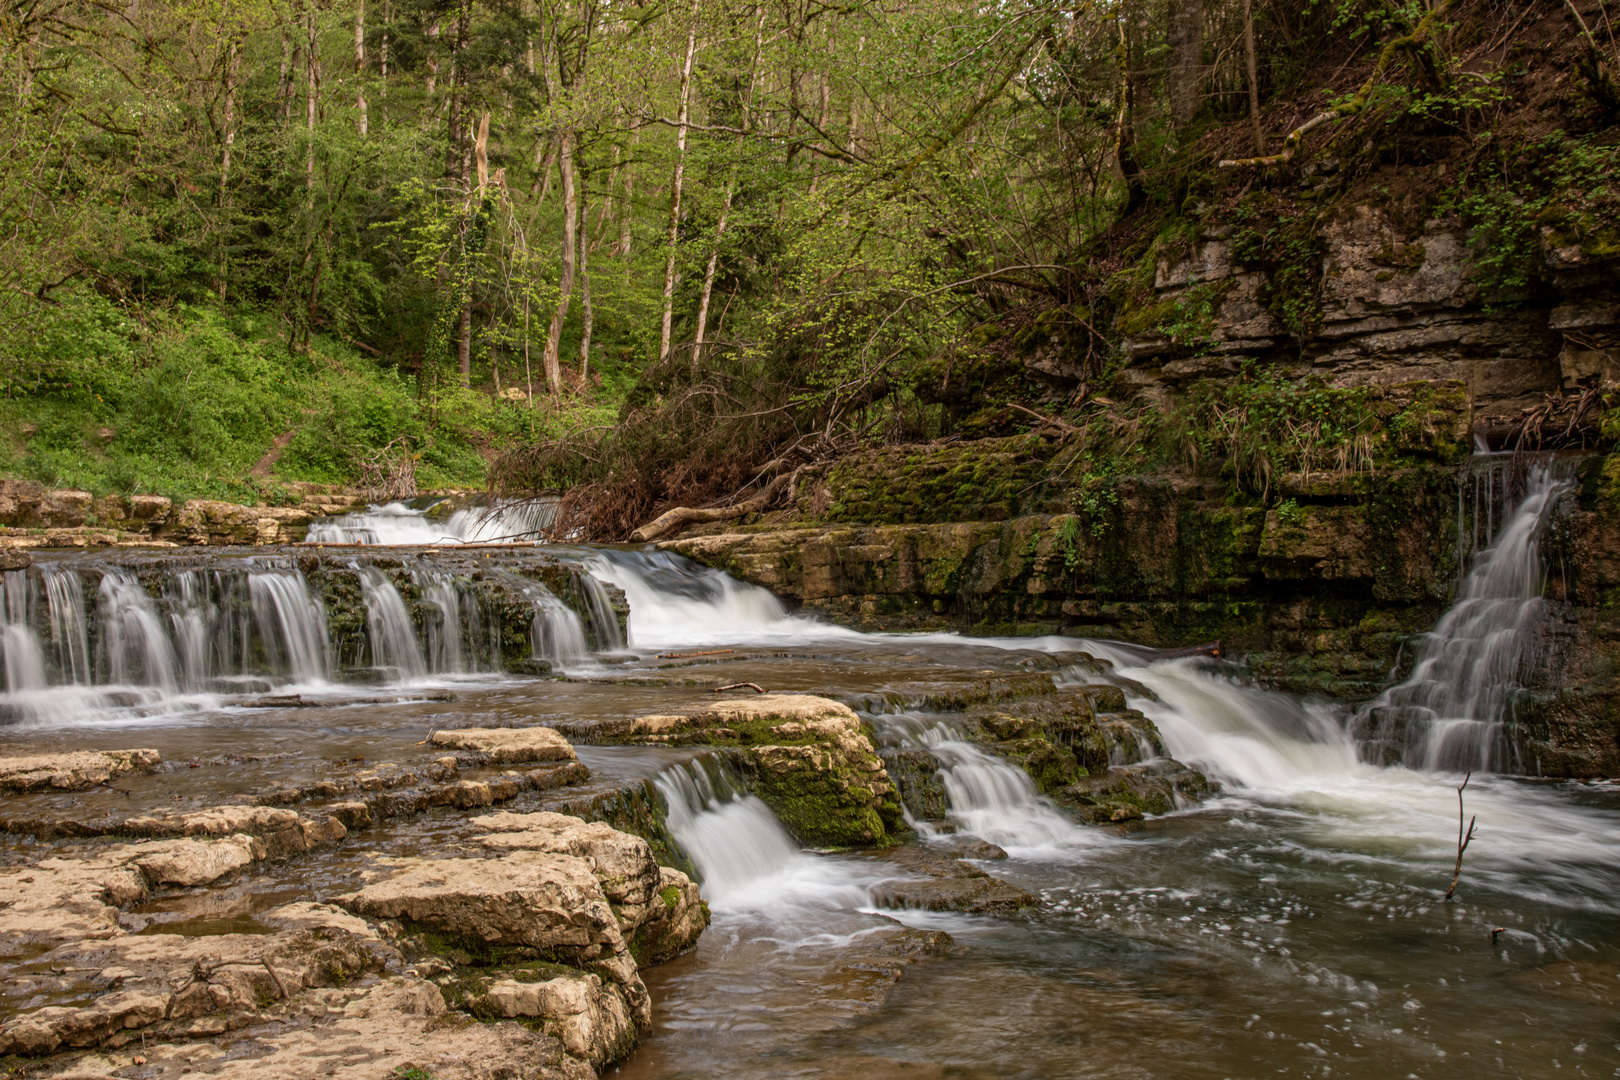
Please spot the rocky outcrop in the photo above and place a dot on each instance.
(433, 959)
(505, 746)
(1399, 305)
(809, 758)
(552, 928)
(32, 516)
(74, 770)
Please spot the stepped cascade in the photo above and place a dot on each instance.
(1052, 795)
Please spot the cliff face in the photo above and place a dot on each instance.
(1397, 305)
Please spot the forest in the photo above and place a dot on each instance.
(665, 254)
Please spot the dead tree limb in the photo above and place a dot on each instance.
(754, 686)
(1463, 840)
(682, 516)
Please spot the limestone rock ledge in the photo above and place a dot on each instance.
(809, 758)
(422, 968)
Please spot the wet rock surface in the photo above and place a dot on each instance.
(74, 770)
(944, 882)
(809, 758)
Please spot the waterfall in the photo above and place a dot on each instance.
(604, 620)
(677, 603)
(292, 624)
(20, 650)
(194, 616)
(1448, 713)
(64, 597)
(135, 649)
(393, 639)
(556, 631)
(732, 838)
(399, 523)
(986, 795)
(442, 625)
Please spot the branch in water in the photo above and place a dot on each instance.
(1462, 840)
(754, 686)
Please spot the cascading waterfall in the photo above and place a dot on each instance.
(987, 796)
(64, 596)
(442, 627)
(193, 617)
(603, 619)
(555, 629)
(399, 523)
(732, 837)
(1448, 713)
(388, 623)
(135, 649)
(19, 646)
(291, 624)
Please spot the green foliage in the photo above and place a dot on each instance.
(1264, 422)
(1561, 187)
(1289, 250)
(1290, 513)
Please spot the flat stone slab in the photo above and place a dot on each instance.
(508, 745)
(74, 770)
(983, 895)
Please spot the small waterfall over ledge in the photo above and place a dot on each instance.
(95, 636)
(1448, 713)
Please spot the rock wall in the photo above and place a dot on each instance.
(1398, 304)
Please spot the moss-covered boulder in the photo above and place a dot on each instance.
(809, 758)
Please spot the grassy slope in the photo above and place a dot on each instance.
(107, 398)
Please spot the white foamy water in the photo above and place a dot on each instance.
(676, 603)
(746, 859)
(400, 524)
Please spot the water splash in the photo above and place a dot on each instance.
(135, 649)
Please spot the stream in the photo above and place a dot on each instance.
(1292, 925)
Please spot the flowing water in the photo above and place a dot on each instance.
(1291, 926)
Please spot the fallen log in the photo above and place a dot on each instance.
(682, 516)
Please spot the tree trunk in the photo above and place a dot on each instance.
(625, 207)
(464, 343)
(360, 64)
(588, 318)
(1186, 75)
(565, 286)
(233, 58)
(675, 190)
(1254, 78)
(312, 71)
(725, 207)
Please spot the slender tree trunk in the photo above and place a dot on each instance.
(284, 83)
(382, 58)
(625, 207)
(464, 344)
(675, 189)
(233, 59)
(360, 64)
(432, 61)
(725, 207)
(565, 286)
(312, 71)
(545, 156)
(1185, 78)
(822, 115)
(587, 316)
(1254, 78)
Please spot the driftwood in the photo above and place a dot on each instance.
(1463, 840)
(754, 686)
(682, 516)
